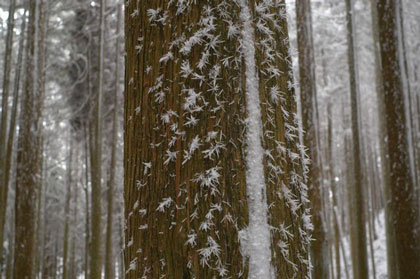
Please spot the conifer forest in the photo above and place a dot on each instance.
(210, 139)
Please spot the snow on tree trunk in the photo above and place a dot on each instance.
(214, 176)
(258, 232)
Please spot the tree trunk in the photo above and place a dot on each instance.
(319, 247)
(96, 159)
(360, 261)
(109, 259)
(403, 204)
(29, 151)
(6, 163)
(213, 171)
(66, 237)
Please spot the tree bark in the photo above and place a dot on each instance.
(403, 204)
(96, 159)
(360, 261)
(319, 247)
(109, 259)
(29, 154)
(189, 94)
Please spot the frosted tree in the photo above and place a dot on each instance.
(214, 172)
(403, 215)
(319, 247)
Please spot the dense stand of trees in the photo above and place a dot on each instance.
(255, 139)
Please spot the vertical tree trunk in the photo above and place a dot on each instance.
(392, 272)
(96, 159)
(3, 123)
(213, 172)
(86, 190)
(333, 188)
(360, 261)
(29, 152)
(66, 237)
(319, 247)
(7, 161)
(403, 204)
(109, 259)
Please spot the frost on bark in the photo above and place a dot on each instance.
(192, 135)
(319, 247)
(404, 214)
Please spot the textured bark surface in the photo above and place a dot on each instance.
(319, 247)
(404, 217)
(29, 168)
(186, 205)
(360, 260)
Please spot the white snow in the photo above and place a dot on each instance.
(257, 237)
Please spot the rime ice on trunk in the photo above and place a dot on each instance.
(209, 114)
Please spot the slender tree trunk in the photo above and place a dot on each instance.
(96, 160)
(3, 123)
(86, 189)
(66, 237)
(7, 163)
(198, 118)
(333, 188)
(109, 259)
(402, 198)
(360, 261)
(319, 247)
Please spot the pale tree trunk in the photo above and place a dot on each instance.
(213, 170)
(404, 217)
(360, 261)
(319, 247)
(96, 159)
(86, 190)
(3, 123)
(66, 237)
(28, 176)
(109, 259)
(6, 163)
(333, 188)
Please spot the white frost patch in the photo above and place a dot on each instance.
(258, 233)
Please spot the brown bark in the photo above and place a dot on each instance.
(403, 204)
(360, 261)
(319, 247)
(179, 200)
(28, 175)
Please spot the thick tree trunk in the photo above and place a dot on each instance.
(402, 199)
(28, 176)
(360, 260)
(319, 247)
(213, 172)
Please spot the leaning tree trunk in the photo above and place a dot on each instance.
(319, 247)
(28, 174)
(214, 177)
(404, 217)
(360, 260)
